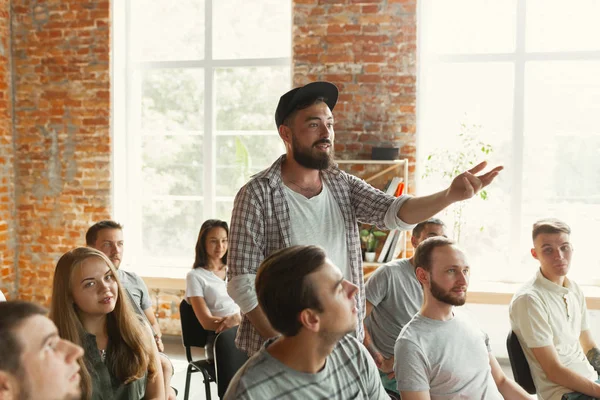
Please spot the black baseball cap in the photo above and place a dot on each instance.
(289, 101)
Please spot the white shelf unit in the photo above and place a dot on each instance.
(392, 165)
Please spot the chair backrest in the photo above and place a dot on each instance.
(192, 332)
(519, 364)
(228, 359)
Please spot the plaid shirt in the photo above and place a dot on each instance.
(260, 225)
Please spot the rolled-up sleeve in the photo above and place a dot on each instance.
(241, 289)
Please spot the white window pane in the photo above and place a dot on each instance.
(464, 107)
(562, 153)
(554, 25)
(239, 157)
(456, 96)
(172, 165)
(246, 97)
(252, 29)
(224, 209)
(468, 26)
(172, 100)
(170, 227)
(167, 30)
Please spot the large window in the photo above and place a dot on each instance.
(196, 87)
(521, 76)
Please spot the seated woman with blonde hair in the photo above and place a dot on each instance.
(206, 289)
(89, 309)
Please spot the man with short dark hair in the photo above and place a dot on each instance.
(306, 298)
(35, 363)
(442, 353)
(107, 237)
(549, 316)
(394, 296)
(303, 199)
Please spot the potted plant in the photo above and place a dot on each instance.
(370, 238)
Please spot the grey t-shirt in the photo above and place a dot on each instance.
(349, 373)
(449, 359)
(396, 295)
(136, 286)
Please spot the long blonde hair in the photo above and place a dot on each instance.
(130, 355)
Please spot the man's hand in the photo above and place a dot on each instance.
(387, 366)
(468, 184)
(229, 322)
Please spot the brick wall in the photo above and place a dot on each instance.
(368, 49)
(60, 53)
(7, 188)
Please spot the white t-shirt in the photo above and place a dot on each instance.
(203, 283)
(2, 298)
(542, 314)
(319, 221)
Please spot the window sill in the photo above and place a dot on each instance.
(496, 293)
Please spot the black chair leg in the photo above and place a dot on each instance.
(206, 384)
(188, 375)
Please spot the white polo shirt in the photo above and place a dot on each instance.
(543, 313)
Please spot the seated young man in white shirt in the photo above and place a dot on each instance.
(549, 316)
(307, 299)
(442, 353)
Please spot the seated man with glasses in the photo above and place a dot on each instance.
(549, 316)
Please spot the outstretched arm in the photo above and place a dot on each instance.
(463, 187)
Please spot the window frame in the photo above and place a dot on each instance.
(519, 59)
(126, 138)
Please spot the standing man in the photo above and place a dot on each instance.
(549, 316)
(306, 298)
(107, 237)
(35, 363)
(394, 296)
(303, 198)
(442, 353)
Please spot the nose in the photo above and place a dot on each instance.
(463, 278)
(351, 288)
(72, 351)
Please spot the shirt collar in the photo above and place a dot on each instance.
(551, 286)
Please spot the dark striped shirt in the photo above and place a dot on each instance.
(349, 373)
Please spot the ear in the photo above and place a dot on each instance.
(8, 386)
(422, 276)
(413, 241)
(285, 133)
(534, 253)
(310, 320)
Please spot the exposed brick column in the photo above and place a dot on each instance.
(7, 172)
(368, 49)
(62, 137)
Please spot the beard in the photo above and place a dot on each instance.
(309, 158)
(446, 296)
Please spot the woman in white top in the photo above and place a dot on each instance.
(206, 288)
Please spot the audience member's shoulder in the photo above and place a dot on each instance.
(411, 331)
(196, 273)
(399, 266)
(130, 276)
(247, 376)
